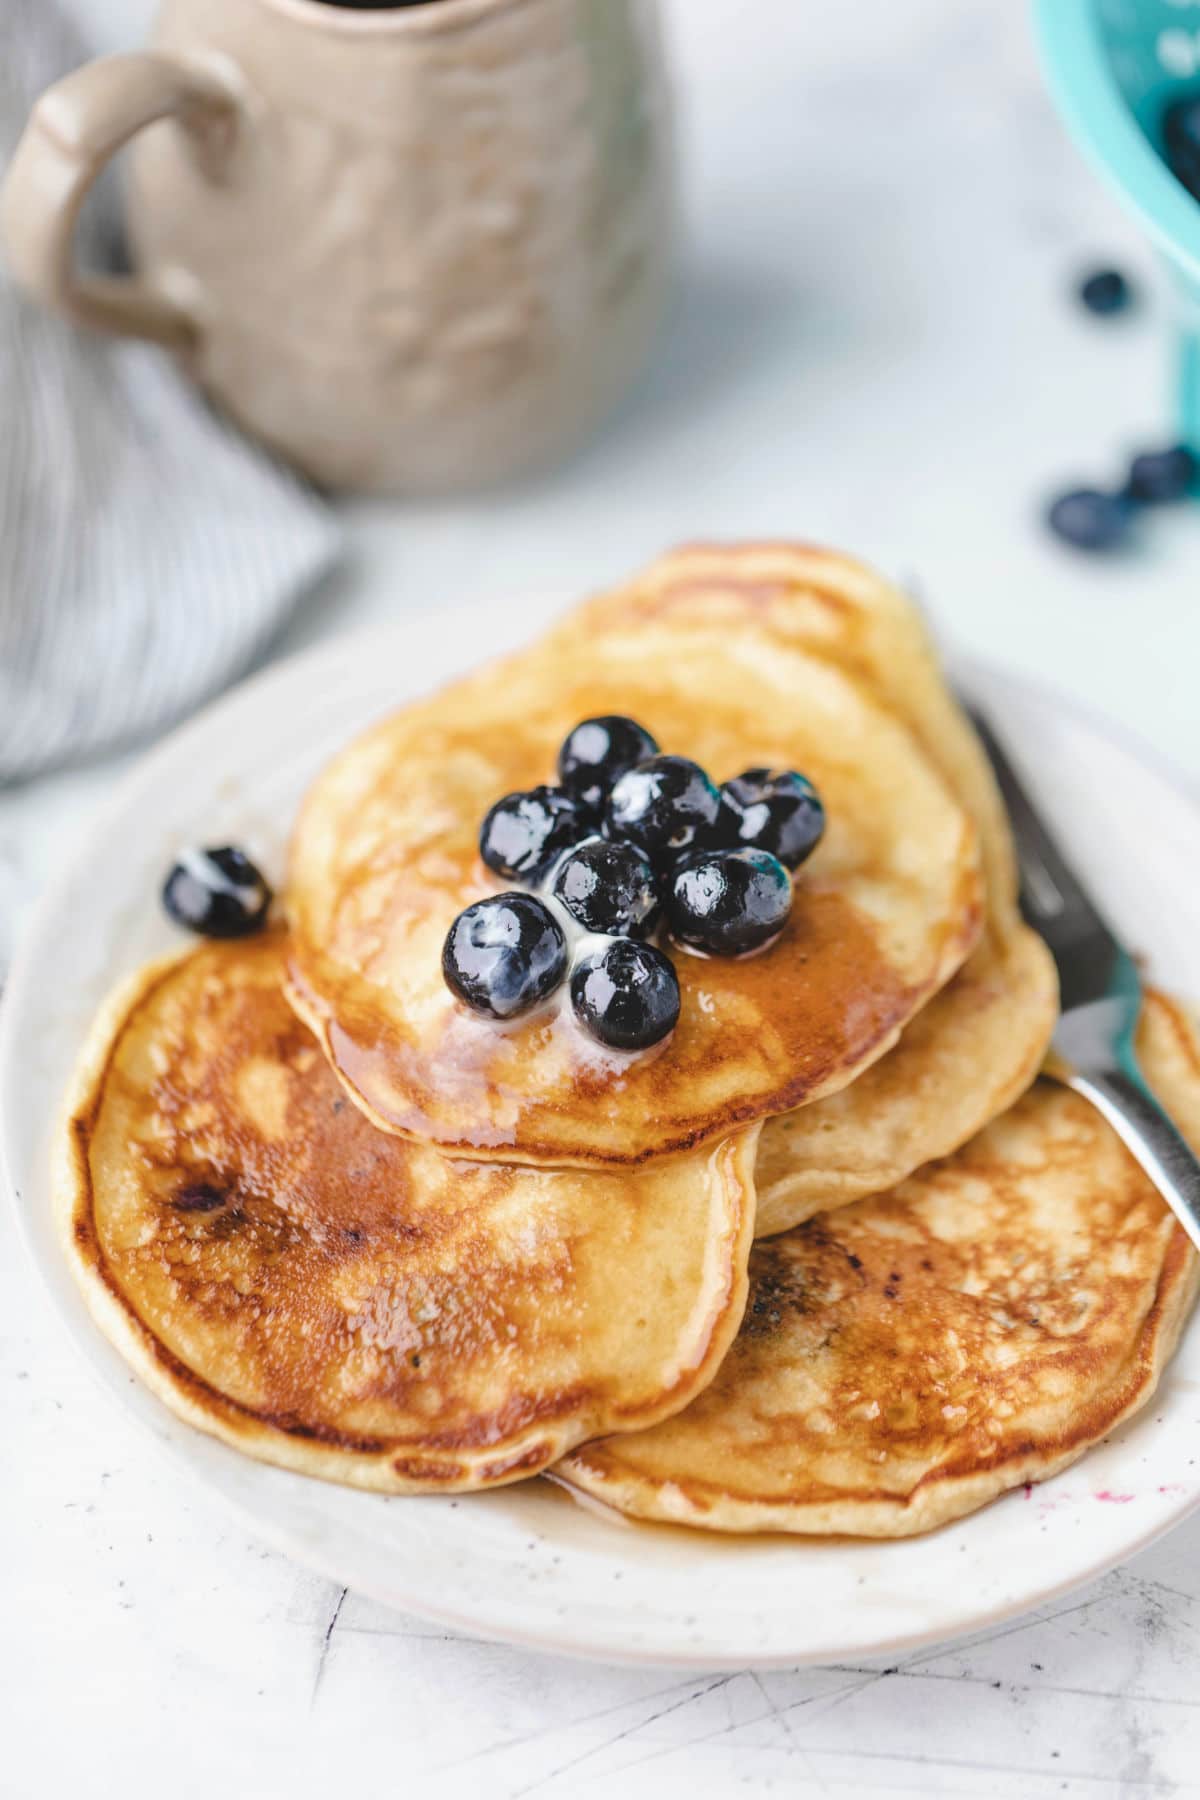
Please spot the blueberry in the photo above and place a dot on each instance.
(1181, 140)
(218, 893)
(1089, 520)
(729, 901)
(663, 804)
(626, 995)
(1104, 292)
(609, 887)
(599, 750)
(1157, 476)
(504, 954)
(772, 809)
(524, 834)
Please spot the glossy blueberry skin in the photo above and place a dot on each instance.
(524, 834)
(665, 804)
(609, 887)
(1089, 520)
(729, 902)
(772, 809)
(597, 752)
(217, 893)
(1105, 292)
(1157, 477)
(1181, 140)
(504, 954)
(626, 995)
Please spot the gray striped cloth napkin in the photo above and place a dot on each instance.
(147, 553)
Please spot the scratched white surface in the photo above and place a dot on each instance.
(873, 346)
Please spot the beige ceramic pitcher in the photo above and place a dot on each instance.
(411, 249)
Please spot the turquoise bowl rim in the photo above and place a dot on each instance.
(1081, 80)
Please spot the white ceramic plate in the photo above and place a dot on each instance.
(526, 1563)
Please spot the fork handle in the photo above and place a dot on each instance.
(1146, 1131)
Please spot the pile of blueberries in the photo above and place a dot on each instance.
(629, 840)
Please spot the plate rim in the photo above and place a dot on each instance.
(263, 1524)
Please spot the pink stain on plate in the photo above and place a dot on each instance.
(1115, 1499)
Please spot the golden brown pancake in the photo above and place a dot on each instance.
(384, 857)
(356, 1307)
(979, 1043)
(906, 1358)
(964, 1059)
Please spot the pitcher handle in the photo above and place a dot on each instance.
(76, 127)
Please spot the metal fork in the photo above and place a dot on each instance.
(1101, 1000)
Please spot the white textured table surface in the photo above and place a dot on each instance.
(874, 345)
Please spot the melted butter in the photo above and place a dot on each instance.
(581, 944)
(602, 1059)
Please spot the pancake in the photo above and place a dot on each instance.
(979, 1043)
(384, 856)
(905, 1359)
(355, 1307)
(964, 1060)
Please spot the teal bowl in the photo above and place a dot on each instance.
(1112, 67)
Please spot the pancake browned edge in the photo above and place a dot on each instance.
(905, 1359)
(338, 1302)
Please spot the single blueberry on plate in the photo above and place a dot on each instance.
(1159, 476)
(504, 954)
(1089, 520)
(597, 751)
(664, 804)
(729, 902)
(218, 893)
(626, 995)
(609, 887)
(773, 809)
(524, 834)
(1105, 292)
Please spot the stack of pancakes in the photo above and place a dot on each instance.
(832, 1259)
